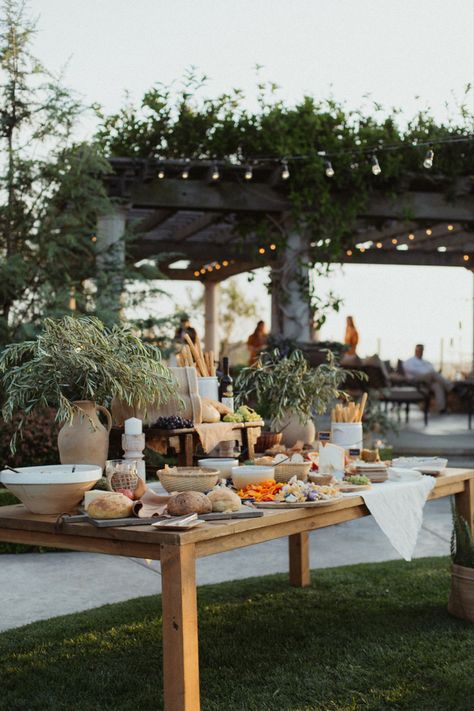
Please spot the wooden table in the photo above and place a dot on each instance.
(189, 440)
(177, 553)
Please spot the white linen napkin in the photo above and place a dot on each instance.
(397, 506)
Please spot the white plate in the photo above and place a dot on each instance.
(297, 504)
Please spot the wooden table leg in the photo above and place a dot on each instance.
(180, 628)
(300, 576)
(186, 450)
(465, 503)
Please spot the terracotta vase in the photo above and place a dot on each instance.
(85, 440)
(293, 431)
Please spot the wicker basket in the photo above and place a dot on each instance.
(188, 479)
(320, 479)
(267, 440)
(286, 470)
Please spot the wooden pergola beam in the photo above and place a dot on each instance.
(152, 221)
(429, 206)
(411, 257)
(196, 226)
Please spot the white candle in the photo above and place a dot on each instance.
(133, 426)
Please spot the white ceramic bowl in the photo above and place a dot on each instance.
(51, 489)
(248, 474)
(222, 464)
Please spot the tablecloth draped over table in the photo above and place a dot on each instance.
(398, 509)
(211, 433)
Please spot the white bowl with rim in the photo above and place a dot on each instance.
(251, 474)
(223, 464)
(53, 488)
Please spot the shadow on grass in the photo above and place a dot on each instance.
(362, 637)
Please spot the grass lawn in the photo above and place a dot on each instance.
(362, 637)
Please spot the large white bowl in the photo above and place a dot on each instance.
(222, 464)
(248, 474)
(51, 489)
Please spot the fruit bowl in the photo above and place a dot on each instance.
(51, 489)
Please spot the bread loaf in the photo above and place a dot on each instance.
(219, 406)
(189, 502)
(209, 413)
(110, 506)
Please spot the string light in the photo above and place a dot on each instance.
(225, 263)
(273, 247)
(202, 270)
(466, 257)
(429, 232)
(261, 250)
(429, 156)
(349, 252)
(209, 269)
(161, 173)
(93, 238)
(217, 266)
(362, 249)
(441, 249)
(379, 245)
(215, 175)
(394, 240)
(376, 169)
(411, 236)
(329, 169)
(285, 172)
(197, 273)
(185, 173)
(248, 175)
(450, 228)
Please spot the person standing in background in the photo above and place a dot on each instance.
(351, 338)
(183, 329)
(256, 342)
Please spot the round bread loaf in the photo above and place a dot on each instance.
(188, 502)
(110, 506)
(223, 499)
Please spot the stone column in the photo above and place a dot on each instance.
(211, 316)
(110, 263)
(291, 313)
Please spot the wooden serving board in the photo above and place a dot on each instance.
(297, 504)
(350, 488)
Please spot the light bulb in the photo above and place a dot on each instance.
(329, 169)
(428, 162)
(379, 245)
(261, 250)
(248, 175)
(285, 173)
(225, 263)
(202, 270)
(354, 165)
(161, 174)
(209, 269)
(429, 232)
(394, 240)
(376, 169)
(450, 228)
(411, 236)
(197, 273)
(362, 249)
(215, 175)
(93, 238)
(273, 247)
(185, 173)
(349, 252)
(466, 257)
(217, 266)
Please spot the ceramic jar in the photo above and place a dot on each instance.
(85, 440)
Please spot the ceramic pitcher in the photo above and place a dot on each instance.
(85, 440)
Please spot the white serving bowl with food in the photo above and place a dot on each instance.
(53, 488)
(223, 464)
(251, 474)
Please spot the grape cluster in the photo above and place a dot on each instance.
(173, 422)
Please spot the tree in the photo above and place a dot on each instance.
(50, 189)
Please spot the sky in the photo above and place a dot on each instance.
(391, 51)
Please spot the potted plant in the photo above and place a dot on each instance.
(287, 392)
(461, 598)
(77, 365)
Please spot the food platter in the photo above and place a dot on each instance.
(297, 504)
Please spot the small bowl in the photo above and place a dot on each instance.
(188, 479)
(51, 489)
(248, 474)
(320, 479)
(223, 465)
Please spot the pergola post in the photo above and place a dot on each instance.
(211, 317)
(110, 263)
(291, 312)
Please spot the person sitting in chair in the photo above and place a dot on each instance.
(422, 370)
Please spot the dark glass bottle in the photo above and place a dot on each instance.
(226, 386)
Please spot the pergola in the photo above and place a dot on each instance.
(195, 220)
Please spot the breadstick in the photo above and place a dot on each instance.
(212, 366)
(362, 405)
(195, 353)
(179, 360)
(199, 347)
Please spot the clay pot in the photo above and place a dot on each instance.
(293, 431)
(461, 598)
(85, 440)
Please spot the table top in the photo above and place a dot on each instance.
(191, 430)
(209, 537)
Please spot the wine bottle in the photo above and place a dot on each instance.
(226, 386)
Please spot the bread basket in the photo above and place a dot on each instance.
(320, 479)
(285, 471)
(267, 440)
(188, 478)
